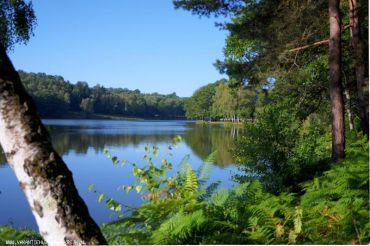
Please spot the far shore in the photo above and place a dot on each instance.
(83, 116)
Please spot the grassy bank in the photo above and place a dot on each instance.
(223, 123)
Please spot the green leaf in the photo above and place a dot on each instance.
(101, 197)
(177, 138)
(90, 187)
(292, 236)
(113, 205)
(128, 188)
(155, 151)
(114, 159)
(136, 171)
(138, 188)
(105, 151)
(298, 220)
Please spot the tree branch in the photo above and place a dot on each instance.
(325, 41)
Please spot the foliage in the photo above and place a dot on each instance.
(267, 145)
(17, 21)
(169, 194)
(18, 235)
(56, 97)
(221, 101)
(305, 88)
(288, 142)
(338, 201)
(208, 7)
(333, 209)
(281, 45)
(199, 104)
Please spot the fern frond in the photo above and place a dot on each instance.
(220, 198)
(207, 192)
(183, 165)
(179, 229)
(191, 183)
(212, 158)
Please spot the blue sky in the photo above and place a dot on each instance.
(145, 45)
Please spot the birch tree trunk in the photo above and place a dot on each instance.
(349, 111)
(61, 214)
(357, 46)
(335, 85)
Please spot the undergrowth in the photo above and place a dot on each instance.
(333, 208)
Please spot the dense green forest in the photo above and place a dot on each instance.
(58, 98)
(298, 71)
(220, 101)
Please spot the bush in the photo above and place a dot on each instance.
(267, 145)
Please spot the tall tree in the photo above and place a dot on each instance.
(357, 46)
(60, 213)
(335, 84)
(199, 105)
(263, 32)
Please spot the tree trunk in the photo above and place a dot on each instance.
(349, 111)
(357, 46)
(61, 214)
(335, 86)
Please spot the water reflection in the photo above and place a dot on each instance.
(204, 139)
(79, 136)
(81, 144)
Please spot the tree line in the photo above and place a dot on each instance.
(56, 97)
(219, 101)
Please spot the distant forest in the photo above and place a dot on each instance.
(56, 97)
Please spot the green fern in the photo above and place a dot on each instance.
(191, 183)
(180, 228)
(183, 165)
(333, 210)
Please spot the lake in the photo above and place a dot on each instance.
(81, 143)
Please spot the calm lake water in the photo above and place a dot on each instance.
(81, 144)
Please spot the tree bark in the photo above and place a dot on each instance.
(357, 46)
(335, 86)
(61, 214)
(349, 111)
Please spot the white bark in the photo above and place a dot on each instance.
(61, 215)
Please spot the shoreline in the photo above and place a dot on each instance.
(81, 116)
(224, 123)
